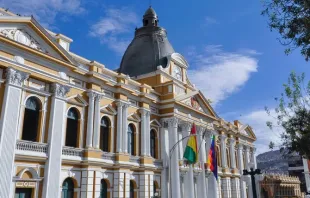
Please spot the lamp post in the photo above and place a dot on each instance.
(252, 173)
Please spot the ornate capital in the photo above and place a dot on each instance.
(91, 95)
(231, 141)
(222, 137)
(119, 104)
(173, 122)
(186, 126)
(59, 90)
(240, 146)
(144, 112)
(15, 77)
(200, 130)
(98, 97)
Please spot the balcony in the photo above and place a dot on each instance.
(71, 153)
(29, 148)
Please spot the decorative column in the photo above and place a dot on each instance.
(119, 134)
(52, 169)
(90, 119)
(253, 158)
(174, 162)
(9, 128)
(189, 177)
(164, 143)
(96, 138)
(201, 184)
(232, 142)
(125, 127)
(247, 157)
(219, 183)
(223, 150)
(241, 167)
(148, 126)
(144, 131)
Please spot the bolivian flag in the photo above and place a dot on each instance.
(212, 161)
(191, 151)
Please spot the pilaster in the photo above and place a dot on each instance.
(232, 142)
(241, 168)
(125, 127)
(223, 151)
(235, 187)
(9, 128)
(90, 120)
(144, 131)
(164, 142)
(56, 130)
(201, 184)
(96, 137)
(226, 187)
(119, 135)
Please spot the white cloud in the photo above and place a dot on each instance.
(257, 120)
(43, 10)
(209, 20)
(218, 74)
(112, 28)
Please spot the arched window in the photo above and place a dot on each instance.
(72, 127)
(131, 139)
(67, 188)
(104, 134)
(103, 189)
(31, 120)
(153, 143)
(132, 190)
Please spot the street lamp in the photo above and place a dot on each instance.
(253, 172)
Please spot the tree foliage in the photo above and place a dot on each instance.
(293, 115)
(291, 18)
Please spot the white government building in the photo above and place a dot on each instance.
(72, 128)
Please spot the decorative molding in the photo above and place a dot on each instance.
(23, 37)
(59, 90)
(16, 77)
(173, 122)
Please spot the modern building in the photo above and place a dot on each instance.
(299, 167)
(72, 128)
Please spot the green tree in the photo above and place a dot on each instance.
(291, 18)
(293, 115)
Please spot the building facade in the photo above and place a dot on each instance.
(73, 128)
(299, 167)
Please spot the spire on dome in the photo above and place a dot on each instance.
(150, 17)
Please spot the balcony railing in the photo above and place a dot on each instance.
(134, 159)
(70, 151)
(22, 145)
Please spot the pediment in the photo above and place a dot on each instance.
(155, 123)
(246, 130)
(78, 100)
(28, 32)
(134, 117)
(195, 100)
(108, 109)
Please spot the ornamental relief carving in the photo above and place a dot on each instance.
(15, 77)
(59, 90)
(22, 37)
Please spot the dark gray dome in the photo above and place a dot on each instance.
(149, 48)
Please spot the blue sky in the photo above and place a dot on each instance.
(234, 58)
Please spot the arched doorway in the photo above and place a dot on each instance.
(67, 188)
(133, 186)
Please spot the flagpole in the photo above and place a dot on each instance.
(170, 154)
